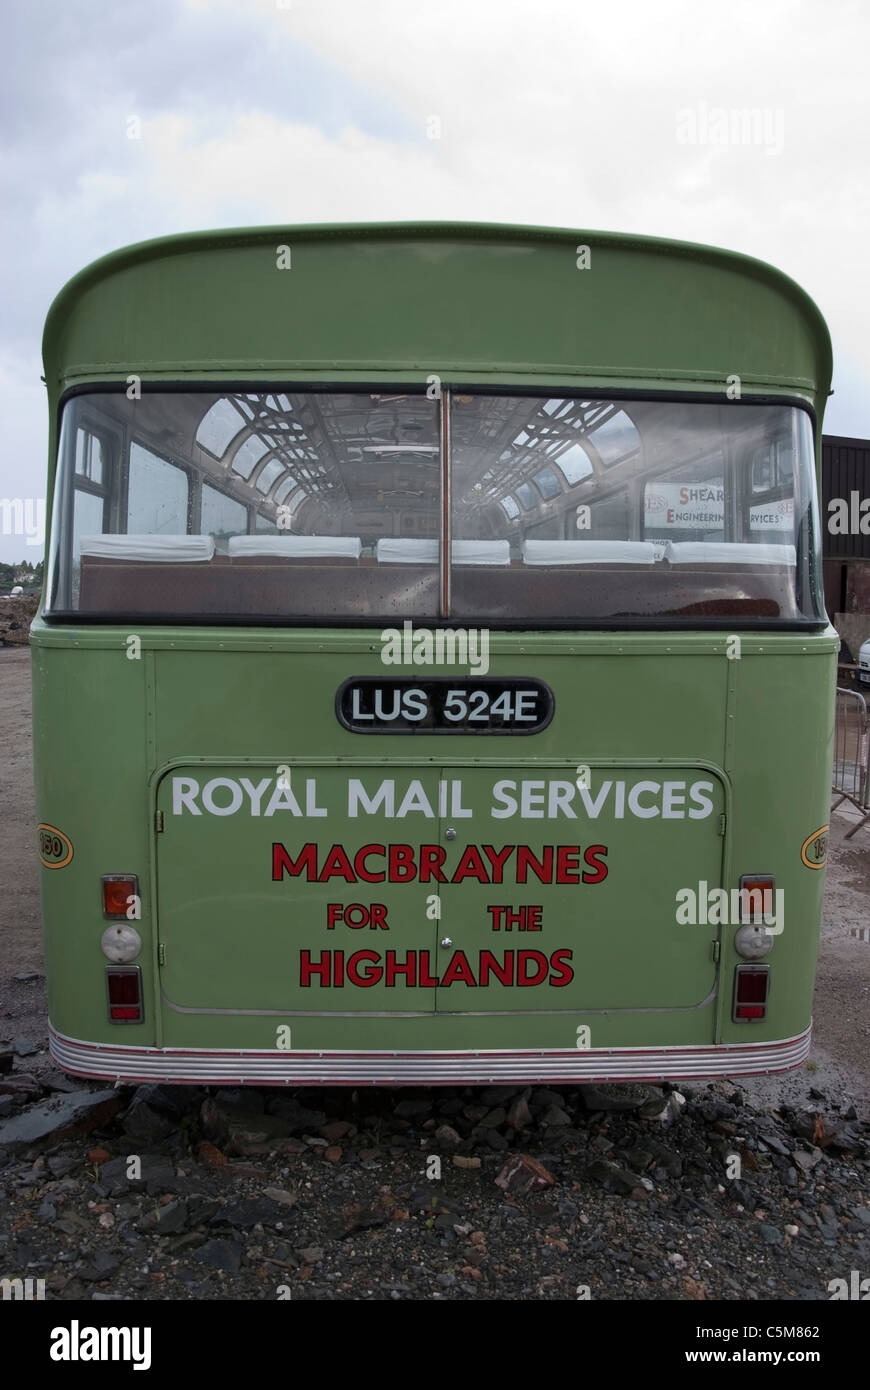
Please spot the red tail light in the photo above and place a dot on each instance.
(117, 890)
(124, 987)
(751, 987)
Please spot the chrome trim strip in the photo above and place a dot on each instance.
(244, 1066)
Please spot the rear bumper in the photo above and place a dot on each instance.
(201, 1066)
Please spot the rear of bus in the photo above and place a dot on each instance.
(433, 682)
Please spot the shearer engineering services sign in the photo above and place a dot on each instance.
(701, 506)
(426, 864)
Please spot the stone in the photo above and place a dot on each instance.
(619, 1097)
(495, 1140)
(158, 1175)
(59, 1165)
(212, 1120)
(71, 1225)
(447, 1136)
(451, 1107)
(670, 1112)
(413, 1109)
(20, 1084)
(522, 1173)
(771, 1235)
(641, 1158)
(498, 1095)
(278, 1194)
(7, 1104)
(468, 1161)
(201, 1208)
(555, 1116)
(310, 1254)
(333, 1154)
(774, 1143)
(541, 1098)
(294, 1115)
(24, 1047)
(665, 1158)
(240, 1098)
(24, 977)
(220, 1254)
(844, 1139)
(335, 1130)
(250, 1211)
(61, 1117)
(99, 1268)
(806, 1162)
(474, 1113)
(172, 1218)
(58, 1081)
(493, 1118)
(519, 1116)
(614, 1178)
(142, 1121)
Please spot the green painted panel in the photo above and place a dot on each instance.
(436, 298)
(107, 726)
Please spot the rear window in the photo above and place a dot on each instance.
(317, 506)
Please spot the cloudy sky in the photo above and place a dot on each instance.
(559, 112)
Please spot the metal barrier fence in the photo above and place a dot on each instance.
(852, 754)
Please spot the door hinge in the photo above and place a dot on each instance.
(721, 824)
(161, 953)
(714, 950)
(158, 821)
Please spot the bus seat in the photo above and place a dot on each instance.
(397, 551)
(174, 550)
(589, 553)
(295, 547)
(481, 552)
(401, 551)
(728, 553)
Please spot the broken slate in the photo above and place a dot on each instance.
(61, 1117)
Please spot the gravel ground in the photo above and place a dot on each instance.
(500, 1193)
(719, 1191)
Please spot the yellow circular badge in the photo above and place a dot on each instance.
(55, 848)
(814, 850)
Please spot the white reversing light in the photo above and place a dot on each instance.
(121, 943)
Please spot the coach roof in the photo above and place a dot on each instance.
(471, 303)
